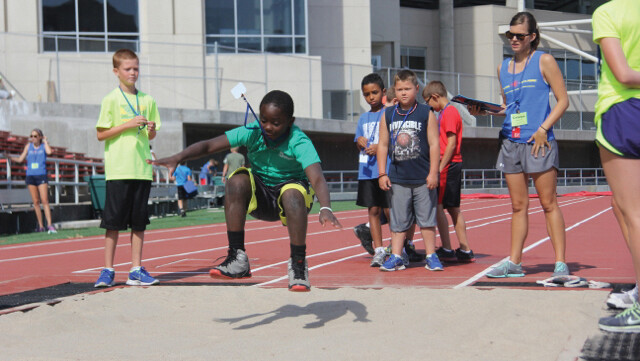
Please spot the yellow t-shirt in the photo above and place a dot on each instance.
(617, 19)
(125, 155)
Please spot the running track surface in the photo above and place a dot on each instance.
(595, 250)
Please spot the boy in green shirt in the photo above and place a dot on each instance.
(128, 120)
(280, 185)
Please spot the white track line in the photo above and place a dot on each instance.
(530, 247)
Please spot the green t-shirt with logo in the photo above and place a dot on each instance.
(125, 154)
(275, 164)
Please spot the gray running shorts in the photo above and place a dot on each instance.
(516, 158)
(412, 203)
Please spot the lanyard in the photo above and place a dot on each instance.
(266, 139)
(516, 99)
(441, 115)
(403, 120)
(136, 113)
(372, 137)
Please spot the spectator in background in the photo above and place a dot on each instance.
(35, 152)
(208, 171)
(180, 176)
(232, 161)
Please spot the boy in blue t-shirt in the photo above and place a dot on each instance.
(280, 185)
(409, 134)
(181, 175)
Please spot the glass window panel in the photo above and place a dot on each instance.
(299, 17)
(278, 45)
(301, 46)
(92, 43)
(588, 71)
(248, 17)
(225, 44)
(58, 15)
(91, 16)
(219, 17)
(123, 42)
(66, 43)
(122, 16)
(277, 17)
(562, 67)
(417, 62)
(249, 45)
(573, 69)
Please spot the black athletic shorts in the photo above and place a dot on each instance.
(450, 185)
(371, 195)
(126, 205)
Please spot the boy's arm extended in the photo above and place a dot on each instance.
(434, 151)
(194, 151)
(319, 184)
(448, 151)
(383, 150)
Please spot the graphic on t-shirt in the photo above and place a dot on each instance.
(407, 145)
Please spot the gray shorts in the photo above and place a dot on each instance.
(412, 203)
(516, 158)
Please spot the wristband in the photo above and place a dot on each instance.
(543, 128)
(327, 208)
(383, 175)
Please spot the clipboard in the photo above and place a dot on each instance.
(490, 107)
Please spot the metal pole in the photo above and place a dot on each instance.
(76, 189)
(215, 49)
(266, 72)
(351, 92)
(57, 170)
(310, 90)
(58, 71)
(204, 74)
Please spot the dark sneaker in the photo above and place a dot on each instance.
(183, 214)
(433, 263)
(411, 251)
(466, 257)
(506, 269)
(364, 235)
(140, 277)
(105, 279)
(627, 321)
(393, 263)
(560, 269)
(446, 255)
(236, 265)
(298, 276)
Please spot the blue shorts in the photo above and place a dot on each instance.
(620, 127)
(36, 180)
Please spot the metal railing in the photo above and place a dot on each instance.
(69, 180)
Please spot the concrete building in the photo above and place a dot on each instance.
(56, 54)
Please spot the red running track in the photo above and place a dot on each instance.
(595, 250)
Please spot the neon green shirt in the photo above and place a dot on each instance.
(617, 19)
(125, 154)
(278, 164)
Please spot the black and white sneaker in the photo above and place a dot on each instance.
(236, 265)
(298, 276)
(364, 235)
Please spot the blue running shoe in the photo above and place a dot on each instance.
(433, 263)
(393, 263)
(140, 277)
(105, 279)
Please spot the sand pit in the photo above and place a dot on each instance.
(250, 323)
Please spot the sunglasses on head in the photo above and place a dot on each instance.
(520, 37)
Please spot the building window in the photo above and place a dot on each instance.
(89, 25)
(244, 26)
(413, 58)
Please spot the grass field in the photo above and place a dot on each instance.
(194, 218)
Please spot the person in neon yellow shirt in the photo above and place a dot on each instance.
(615, 29)
(128, 120)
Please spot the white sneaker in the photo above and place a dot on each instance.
(622, 300)
(379, 257)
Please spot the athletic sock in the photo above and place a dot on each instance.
(467, 252)
(134, 269)
(446, 249)
(379, 249)
(298, 253)
(236, 240)
(515, 264)
(110, 269)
